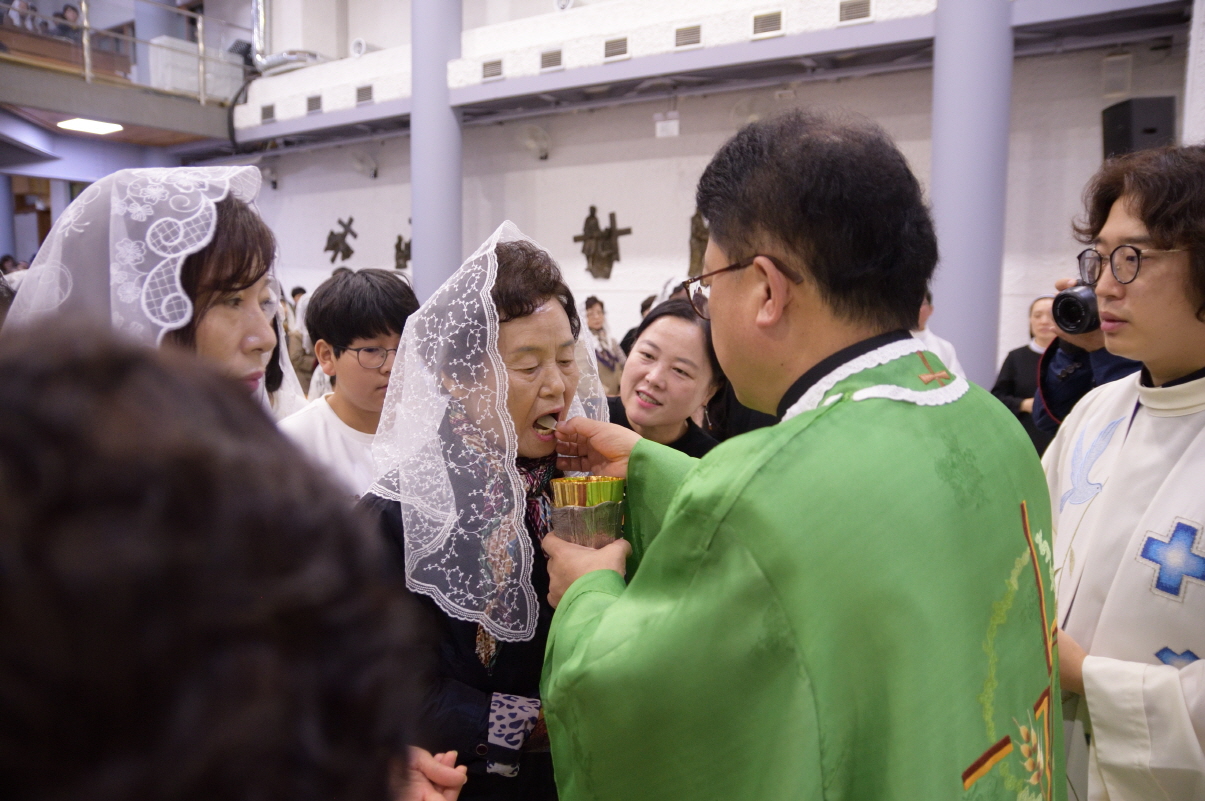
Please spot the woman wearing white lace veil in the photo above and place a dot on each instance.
(173, 255)
(464, 496)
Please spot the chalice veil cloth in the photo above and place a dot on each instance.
(852, 604)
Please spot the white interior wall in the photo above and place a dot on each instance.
(479, 13)
(383, 23)
(610, 158)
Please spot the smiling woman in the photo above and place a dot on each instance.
(671, 373)
(466, 460)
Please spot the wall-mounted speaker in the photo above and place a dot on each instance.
(1138, 124)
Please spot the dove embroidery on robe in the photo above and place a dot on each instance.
(1082, 490)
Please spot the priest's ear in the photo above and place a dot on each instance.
(777, 288)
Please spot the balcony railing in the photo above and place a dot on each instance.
(178, 52)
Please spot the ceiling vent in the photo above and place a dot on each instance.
(550, 60)
(615, 48)
(267, 113)
(854, 10)
(769, 24)
(690, 36)
(363, 95)
(491, 70)
(313, 104)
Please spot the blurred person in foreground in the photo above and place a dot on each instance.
(1018, 379)
(187, 610)
(1125, 474)
(851, 603)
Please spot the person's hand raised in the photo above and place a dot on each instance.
(590, 446)
(1093, 340)
(568, 562)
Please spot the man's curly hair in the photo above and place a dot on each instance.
(188, 610)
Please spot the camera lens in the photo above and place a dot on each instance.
(1074, 310)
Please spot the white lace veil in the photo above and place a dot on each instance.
(115, 254)
(462, 499)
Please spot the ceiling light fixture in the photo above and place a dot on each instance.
(90, 126)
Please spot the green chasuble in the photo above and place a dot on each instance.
(852, 604)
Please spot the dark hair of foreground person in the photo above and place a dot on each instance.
(187, 609)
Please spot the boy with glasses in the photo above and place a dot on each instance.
(1125, 476)
(355, 320)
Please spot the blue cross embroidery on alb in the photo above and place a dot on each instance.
(1169, 657)
(1175, 559)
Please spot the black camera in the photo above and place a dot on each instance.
(1074, 310)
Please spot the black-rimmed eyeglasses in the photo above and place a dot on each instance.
(1124, 261)
(372, 358)
(699, 293)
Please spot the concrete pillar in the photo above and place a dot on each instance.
(153, 19)
(1193, 131)
(435, 145)
(60, 198)
(8, 237)
(972, 90)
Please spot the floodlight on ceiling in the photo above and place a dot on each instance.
(90, 126)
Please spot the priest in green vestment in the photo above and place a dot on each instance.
(852, 604)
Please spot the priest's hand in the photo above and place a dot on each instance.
(591, 446)
(1071, 664)
(1093, 340)
(568, 562)
(427, 777)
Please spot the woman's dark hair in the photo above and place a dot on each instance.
(359, 305)
(527, 278)
(188, 609)
(684, 311)
(7, 262)
(838, 200)
(593, 301)
(1165, 188)
(241, 251)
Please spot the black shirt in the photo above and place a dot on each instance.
(1017, 381)
(695, 442)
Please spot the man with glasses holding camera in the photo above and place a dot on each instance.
(1126, 485)
(851, 603)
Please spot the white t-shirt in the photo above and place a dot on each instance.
(333, 444)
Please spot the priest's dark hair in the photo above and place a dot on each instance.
(528, 277)
(189, 609)
(836, 201)
(1166, 190)
(359, 305)
(681, 309)
(241, 251)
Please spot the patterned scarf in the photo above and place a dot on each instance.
(536, 474)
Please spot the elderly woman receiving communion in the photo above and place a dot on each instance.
(466, 454)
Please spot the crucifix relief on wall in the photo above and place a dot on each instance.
(600, 245)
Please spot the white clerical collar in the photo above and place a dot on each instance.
(1035, 347)
(1173, 401)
